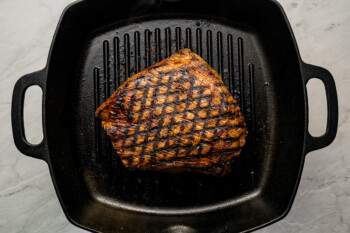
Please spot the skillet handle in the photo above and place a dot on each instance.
(315, 143)
(38, 151)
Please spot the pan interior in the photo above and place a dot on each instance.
(114, 53)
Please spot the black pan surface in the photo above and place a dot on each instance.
(99, 44)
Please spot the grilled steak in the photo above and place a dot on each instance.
(175, 116)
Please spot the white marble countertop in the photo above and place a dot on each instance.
(28, 202)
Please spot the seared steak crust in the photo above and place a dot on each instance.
(175, 116)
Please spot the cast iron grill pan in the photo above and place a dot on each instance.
(99, 44)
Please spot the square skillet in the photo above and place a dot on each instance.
(99, 44)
